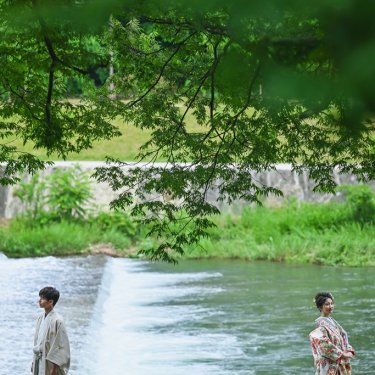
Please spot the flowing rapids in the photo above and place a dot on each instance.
(199, 317)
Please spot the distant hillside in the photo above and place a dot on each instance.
(124, 147)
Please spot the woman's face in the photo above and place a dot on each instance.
(327, 307)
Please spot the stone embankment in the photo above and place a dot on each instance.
(292, 185)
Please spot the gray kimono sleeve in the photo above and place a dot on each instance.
(59, 352)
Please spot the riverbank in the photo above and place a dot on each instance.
(328, 234)
(293, 237)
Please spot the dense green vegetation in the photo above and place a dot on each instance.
(335, 233)
(23, 238)
(311, 233)
(265, 83)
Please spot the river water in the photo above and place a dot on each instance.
(200, 317)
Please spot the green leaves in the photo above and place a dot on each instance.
(37, 60)
(69, 193)
(227, 90)
(65, 194)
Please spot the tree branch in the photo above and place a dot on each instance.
(22, 98)
(49, 93)
(180, 124)
(212, 88)
(164, 66)
(213, 69)
(213, 29)
(248, 98)
(51, 51)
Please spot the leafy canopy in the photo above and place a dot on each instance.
(264, 83)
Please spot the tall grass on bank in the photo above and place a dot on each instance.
(328, 234)
(331, 234)
(20, 240)
(25, 238)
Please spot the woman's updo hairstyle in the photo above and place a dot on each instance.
(321, 297)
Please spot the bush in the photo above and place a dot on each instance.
(69, 193)
(65, 194)
(115, 221)
(32, 196)
(361, 199)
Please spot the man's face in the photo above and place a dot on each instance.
(44, 303)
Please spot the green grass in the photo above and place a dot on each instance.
(316, 234)
(125, 147)
(326, 234)
(59, 239)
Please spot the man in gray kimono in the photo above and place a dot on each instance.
(51, 343)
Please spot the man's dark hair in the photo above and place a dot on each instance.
(321, 297)
(50, 293)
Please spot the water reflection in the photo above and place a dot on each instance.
(201, 318)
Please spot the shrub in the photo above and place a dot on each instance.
(115, 221)
(361, 199)
(32, 195)
(69, 193)
(65, 194)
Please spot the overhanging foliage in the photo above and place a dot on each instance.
(263, 82)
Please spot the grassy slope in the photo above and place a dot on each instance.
(124, 147)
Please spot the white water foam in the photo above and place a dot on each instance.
(132, 330)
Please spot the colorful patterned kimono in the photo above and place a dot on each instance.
(328, 342)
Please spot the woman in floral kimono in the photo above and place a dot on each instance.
(329, 341)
